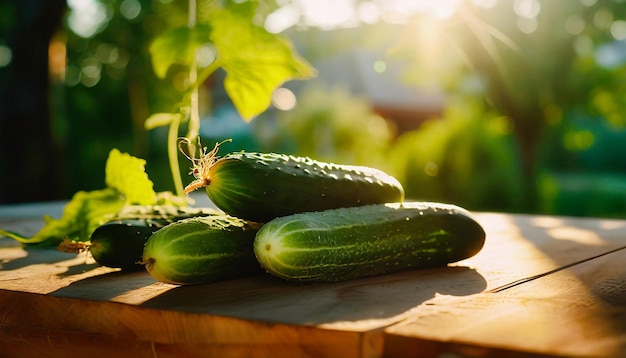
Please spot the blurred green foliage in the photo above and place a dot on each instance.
(109, 90)
(556, 70)
(329, 124)
(583, 194)
(466, 156)
(533, 122)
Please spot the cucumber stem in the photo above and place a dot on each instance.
(148, 263)
(73, 247)
(202, 164)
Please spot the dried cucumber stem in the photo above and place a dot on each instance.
(200, 165)
(147, 262)
(73, 247)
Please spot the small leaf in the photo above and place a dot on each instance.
(177, 46)
(161, 119)
(256, 62)
(127, 174)
(81, 216)
(127, 183)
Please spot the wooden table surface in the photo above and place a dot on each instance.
(541, 286)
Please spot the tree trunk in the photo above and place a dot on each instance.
(527, 135)
(30, 160)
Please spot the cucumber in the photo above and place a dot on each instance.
(263, 186)
(202, 250)
(349, 243)
(119, 242)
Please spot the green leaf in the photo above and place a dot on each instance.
(81, 216)
(127, 174)
(177, 46)
(161, 120)
(256, 62)
(127, 183)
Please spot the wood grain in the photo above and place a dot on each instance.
(60, 301)
(578, 311)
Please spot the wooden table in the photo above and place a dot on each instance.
(542, 286)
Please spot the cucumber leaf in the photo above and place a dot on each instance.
(127, 174)
(81, 215)
(177, 46)
(127, 183)
(256, 61)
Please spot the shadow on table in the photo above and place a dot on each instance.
(590, 247)
(268, 298)
(106, 286)
(46, 256)
(78, 269)
(580, 262)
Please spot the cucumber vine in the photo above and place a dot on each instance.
(255, 61)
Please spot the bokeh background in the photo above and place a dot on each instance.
(494, 105)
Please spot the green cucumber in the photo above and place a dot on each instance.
(349, 243)
(263, 186)
(202, 250)
(119, 242)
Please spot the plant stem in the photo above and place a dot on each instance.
(193, 127)
(191, 20)
(194, 117)
(172, 153)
